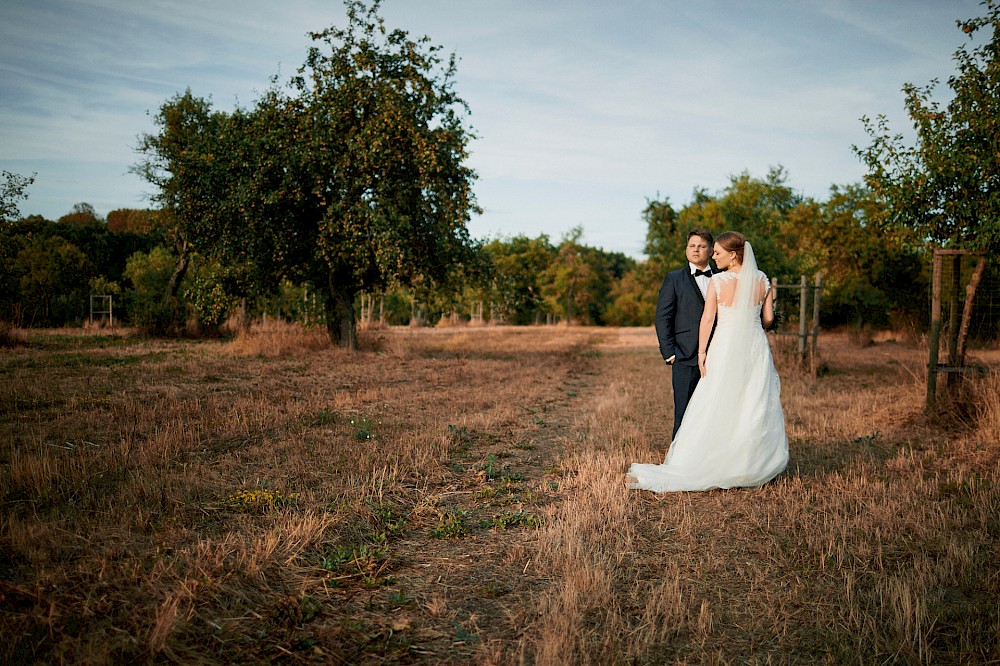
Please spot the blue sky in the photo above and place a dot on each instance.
(584, 109)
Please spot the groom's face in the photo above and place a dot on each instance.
(697, 251)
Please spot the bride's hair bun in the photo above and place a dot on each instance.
(732, 241)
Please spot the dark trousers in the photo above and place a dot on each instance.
(684, 379)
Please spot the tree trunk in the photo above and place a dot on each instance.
(340, 323)
(970, 298)
(244, 315)
(175, 280)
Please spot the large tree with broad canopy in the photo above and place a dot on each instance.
(351, 177)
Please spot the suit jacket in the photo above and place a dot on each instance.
(678, 316)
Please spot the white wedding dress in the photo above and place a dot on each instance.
(733, 432)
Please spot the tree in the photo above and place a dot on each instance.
(761, 208)
(352, 179)
(135, 221)
(83, 214)
(946, 186)
(664, 235)
(54, 276)
(183, 163)
(149, 273)
(869, 275)
(12, 190)
(570, 278)
(633, 296)
(519, 266)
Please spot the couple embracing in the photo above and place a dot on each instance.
(729, 428)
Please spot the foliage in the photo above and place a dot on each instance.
(65, 297)
(633, 296)
(82, 214)
(578, 280)
(765, 209)
(149, 273)
(762, 209)
(665, 237)
(352, 179)
(138, 221)
(868, 275)
(12, 190)
(211, 302)
(946, 186)
(53, 274)
(451, 524)
(507, 519)
(519, 266)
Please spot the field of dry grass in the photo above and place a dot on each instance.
(457, 495)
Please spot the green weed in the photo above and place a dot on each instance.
(451, 524)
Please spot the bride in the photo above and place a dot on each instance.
(733, 432)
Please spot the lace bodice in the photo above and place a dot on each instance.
(725, 288)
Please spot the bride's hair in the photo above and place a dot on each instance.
(732, 241)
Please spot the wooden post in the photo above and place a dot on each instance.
(815, 321)
(803, 323)
(366, 308)
(815, 324)
(953, 316)
(935, 339)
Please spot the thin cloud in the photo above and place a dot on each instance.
(584, 109)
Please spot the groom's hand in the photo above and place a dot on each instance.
(670, 361)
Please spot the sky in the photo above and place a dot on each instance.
(584, 110)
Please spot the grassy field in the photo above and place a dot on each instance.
(457, 496)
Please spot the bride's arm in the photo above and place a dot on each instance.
(705, 328)
(767, 311)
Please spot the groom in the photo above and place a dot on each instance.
(678, 315)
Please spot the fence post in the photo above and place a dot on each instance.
(935, 339)
(816, 292)
(803, 322)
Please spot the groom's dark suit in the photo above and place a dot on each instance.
(678, 316)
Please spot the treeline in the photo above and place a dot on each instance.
(871, 278)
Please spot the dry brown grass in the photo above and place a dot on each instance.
(881, 544)
(456, 495)
(11, 336)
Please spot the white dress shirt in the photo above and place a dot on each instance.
(702, 280)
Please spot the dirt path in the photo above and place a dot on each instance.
(461, 583)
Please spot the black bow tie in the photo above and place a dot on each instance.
(707, 273)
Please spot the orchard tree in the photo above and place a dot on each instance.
(351, 178)
(380, 148)
(946, 186)
(187, 164)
